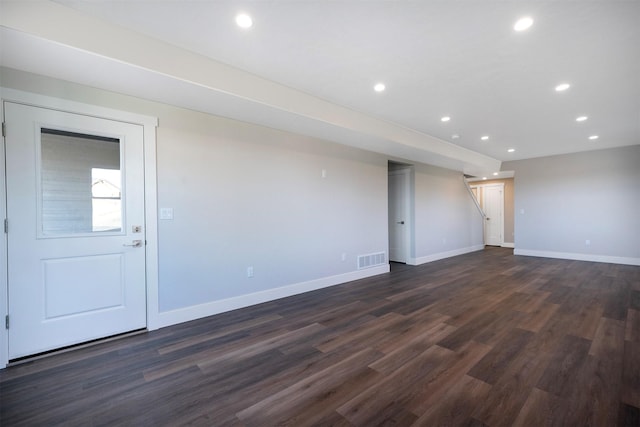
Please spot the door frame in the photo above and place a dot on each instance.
(150, 195)
(408, 230)
(482, 188)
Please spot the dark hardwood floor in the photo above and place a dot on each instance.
(483, 339)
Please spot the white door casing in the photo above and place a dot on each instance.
(398, 216)
(69, 281)
(493, 206)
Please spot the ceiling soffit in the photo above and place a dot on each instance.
(194, 81)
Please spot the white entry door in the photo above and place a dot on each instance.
(493, 204)
(75, 209)
(398, 215)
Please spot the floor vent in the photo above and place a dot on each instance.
(371, 260)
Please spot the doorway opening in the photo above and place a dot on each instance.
(498, 227)
(400, 221)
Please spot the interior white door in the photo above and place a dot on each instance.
(493, 205)
(398, 220)
(75, 209)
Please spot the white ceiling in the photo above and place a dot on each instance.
(456, 58)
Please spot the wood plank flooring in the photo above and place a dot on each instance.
(483, 339)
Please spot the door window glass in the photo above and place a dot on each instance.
(80, 184)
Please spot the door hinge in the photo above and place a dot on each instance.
(6, 321)
(6, 225)
(4, 129)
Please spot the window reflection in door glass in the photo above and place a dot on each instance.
(106, 199)
(81, 184)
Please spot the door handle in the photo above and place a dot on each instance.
(134, 244)
(488, 218)
(400, 222)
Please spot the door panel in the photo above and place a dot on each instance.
(75, 204)
(69, 276)
(398, 215)
(493, 204)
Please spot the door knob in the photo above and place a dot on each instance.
(134, 244)
(488, 218)
(400, 222)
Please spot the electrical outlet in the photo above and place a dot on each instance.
(587, 242)
(249, 271)
(344, 257)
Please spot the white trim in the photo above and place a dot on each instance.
(508, 245)
(150, 193)
(43, 101)
(406, 200)
(578, 256)
(186, 314)
(151, 223)
(4, 293)
(442, 255)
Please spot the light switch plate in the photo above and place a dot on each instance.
(166, 213)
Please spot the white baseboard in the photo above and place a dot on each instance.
(186, 314)
(579, 257)
(508, 245)
(442, 255)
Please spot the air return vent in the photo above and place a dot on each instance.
(371, 260)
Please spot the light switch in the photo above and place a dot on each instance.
(166, 213)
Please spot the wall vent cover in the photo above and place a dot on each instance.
(371, 260)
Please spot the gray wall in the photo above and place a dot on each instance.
(249, 196)
(446, 219)
(562, 201)
(245, 195)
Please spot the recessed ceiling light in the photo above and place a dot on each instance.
(445, 119)
(379, 87)
(455, 136)
(243, 20)
(523, 23)
(511, 150)
(592, 137)
(581, 119)
(495, 174)
(562, 87)
(484, 138)
(484, 177)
